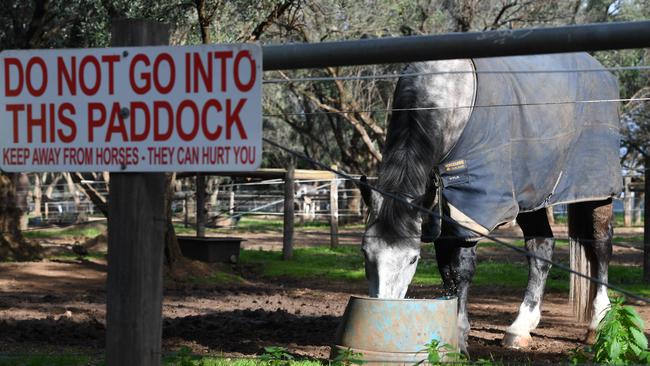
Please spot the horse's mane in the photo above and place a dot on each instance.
(408, 159)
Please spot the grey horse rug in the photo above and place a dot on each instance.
(534, 139)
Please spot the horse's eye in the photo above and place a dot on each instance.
(414, 259)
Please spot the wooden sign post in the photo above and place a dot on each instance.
(136, 240)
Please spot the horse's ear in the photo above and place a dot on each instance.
(366, 191)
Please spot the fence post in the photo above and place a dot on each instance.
(287, 239)
(231, 203)
(186, 207)
(646, 223)
(627, 202)
(200, 205)
(334, 211)
(136, 239)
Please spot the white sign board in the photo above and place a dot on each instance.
(132, 109)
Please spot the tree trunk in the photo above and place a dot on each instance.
(13, 245)
(72, 188)
(200, 205)
(93, 195)
(213, 184)
(646, 223)
(37, 194)
(638, 213)
(172, 250)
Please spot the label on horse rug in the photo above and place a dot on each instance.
(454, 172)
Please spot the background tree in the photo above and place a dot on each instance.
(337, 122)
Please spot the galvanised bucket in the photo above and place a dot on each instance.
(385, 331)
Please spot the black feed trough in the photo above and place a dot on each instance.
(210, 249)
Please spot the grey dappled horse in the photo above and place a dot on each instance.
(495, 140)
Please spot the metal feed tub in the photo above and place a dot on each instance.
(396, 331)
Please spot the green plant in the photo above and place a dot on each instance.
(182, 357)
(276, 356)
(619, 338)
(347, 357)
(435, 353)
(580, 355)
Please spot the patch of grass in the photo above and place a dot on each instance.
(212, 361)
(346, 263)
(173, 360)
(629, 239)
(343, 263)
(517, 243)
(619, 219)
(74, 257)
(45, 360)
(255, 224)
(217, 278)
(180, 229)
(273, 356)
(84, 231)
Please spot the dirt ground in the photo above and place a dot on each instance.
(61, 305)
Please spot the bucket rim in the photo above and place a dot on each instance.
(438, 299)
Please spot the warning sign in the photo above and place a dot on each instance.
(133, 109)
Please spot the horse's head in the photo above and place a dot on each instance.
(390, 259)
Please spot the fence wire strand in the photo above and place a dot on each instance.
(390, 76)
(436, 215)
(385, 110)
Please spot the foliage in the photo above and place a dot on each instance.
(437, 353)
(182, 357)
(45, 360)
(619, 338)
(347, 357)
(276, 356)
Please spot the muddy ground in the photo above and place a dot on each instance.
(60, 306)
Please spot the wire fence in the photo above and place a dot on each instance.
(393, 196)
(264, 199)
(313, 198)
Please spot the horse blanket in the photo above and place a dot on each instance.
(528, 144)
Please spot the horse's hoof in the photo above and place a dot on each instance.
(590, 338)
(516, 341)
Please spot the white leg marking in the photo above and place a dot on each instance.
(526, 321)
(601, 305)
(463, 331)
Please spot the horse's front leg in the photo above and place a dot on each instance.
(540, 243)
(457, 266)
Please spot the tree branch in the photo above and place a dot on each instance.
(92, 194)
(276, 13)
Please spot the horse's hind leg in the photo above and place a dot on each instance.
(539, 242)
(590, 223)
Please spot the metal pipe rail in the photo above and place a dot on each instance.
(588, 37)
